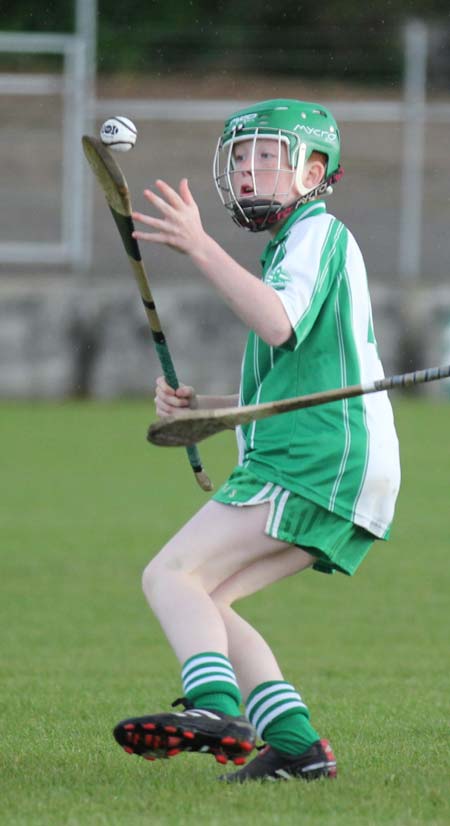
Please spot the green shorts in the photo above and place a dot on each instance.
(339, 545)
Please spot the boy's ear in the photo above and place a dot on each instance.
(314, 173)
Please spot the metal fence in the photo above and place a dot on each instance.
(409, 118)
(74, 188)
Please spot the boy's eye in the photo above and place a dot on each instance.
(239, 156)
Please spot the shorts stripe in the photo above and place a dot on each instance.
(336, 542)
(262, 495)
(279, 510)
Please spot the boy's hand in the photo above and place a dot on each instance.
(179, 226)
(169, 402)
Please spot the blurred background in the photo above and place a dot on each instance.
(71, 321)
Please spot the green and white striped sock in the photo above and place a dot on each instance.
(280, 717)
(209, 682)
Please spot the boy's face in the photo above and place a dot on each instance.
(261, 169)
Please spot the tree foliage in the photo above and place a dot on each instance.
(338, 38)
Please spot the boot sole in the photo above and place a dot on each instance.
(154, 741)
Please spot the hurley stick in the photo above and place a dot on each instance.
(195, 425)
(115, 188)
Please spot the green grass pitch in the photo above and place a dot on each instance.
(85, 502)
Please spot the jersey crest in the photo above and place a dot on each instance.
(277, 278)
(276, 275)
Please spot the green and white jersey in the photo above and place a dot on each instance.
(344, 455)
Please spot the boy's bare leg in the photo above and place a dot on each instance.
(252, 658)
(217, 543)
(221, 554)
(294, 747)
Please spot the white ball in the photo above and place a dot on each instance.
(119, 133)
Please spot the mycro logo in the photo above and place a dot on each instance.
(316, 133)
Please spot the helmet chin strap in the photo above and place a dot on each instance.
(259, 214)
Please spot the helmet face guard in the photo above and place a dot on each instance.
(273, 197)
(265, 200)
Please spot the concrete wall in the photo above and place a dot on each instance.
(62, 337)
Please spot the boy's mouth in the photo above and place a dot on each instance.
(246, 190)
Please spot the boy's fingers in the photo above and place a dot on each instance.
(170, 194)
(162, 386)
(148, 220)
(168, 398)
(163, 409)
(185, 192)
(184, 391)
(164, 206)
(147, 236)
(171, 402)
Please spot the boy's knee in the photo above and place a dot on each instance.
(157, 574)
(221, 599)
(149, 577)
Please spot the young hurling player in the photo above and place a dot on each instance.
(313, 488)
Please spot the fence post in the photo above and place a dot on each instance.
(86, 29)
(413, 151)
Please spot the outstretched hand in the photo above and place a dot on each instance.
(179, 226)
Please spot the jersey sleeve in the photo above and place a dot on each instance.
(313, 257)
